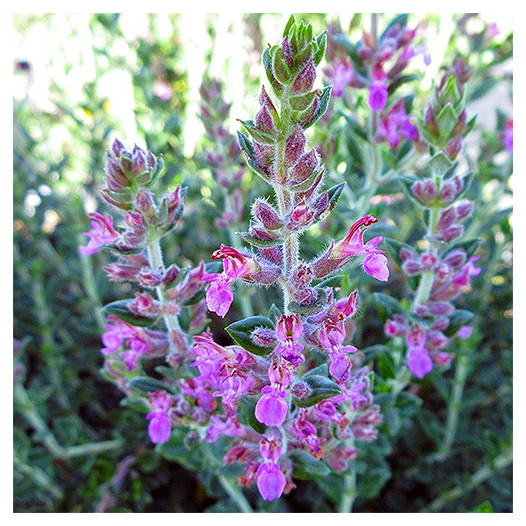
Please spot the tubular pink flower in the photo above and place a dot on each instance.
(419, 361)
(271, 408)
(271, 481)
(102, 233)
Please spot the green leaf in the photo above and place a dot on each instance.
(484, 507)
(333, 282)
(247, 404)
(148, 385)
(320, 370)
(241, 332)
(386, 306)
(120, 310)
(267, 64)
(321, 40)
(400, 20)
(279, 67)
(137, 403)
(262, 243)
(302, 102)
(290, 23)
(321, 388)
(306, 467)
(259, 135)
(400, 81)
(325, 97)
(446, 121)
(457, 320)
(439, 164)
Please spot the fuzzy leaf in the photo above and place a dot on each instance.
(386, 306)
(147, 385)
(120, 310)
(247, 404)
(322, 388)
(306, 467)
(259, 135)
(457, 320)
(241, 332)
(325, 97)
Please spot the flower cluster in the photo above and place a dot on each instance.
(276, 398)
(224, 156)
(379, 64)
(135, 241)
(446, 266)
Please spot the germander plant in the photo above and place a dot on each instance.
(291, 398)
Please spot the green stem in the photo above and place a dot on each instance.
(235, 493)
(32, 416)
(454, 405)
(349, 491)
(426, 282)
(49, 346)
(155, 257)
(480, 476)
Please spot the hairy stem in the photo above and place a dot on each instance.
(33, 418)
(155, 257)
(454, 405)
(426, 282)
(235, 493)
(349, 491)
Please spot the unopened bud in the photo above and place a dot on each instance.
(266, 214)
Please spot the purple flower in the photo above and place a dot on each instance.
(160, 426)
(378, 93)
(419, 361)
(395, 125)
(219, 295)
(464, 332)
(507, 138)
(339, 74)
(102, 233)
(271, 408)
(271, 481)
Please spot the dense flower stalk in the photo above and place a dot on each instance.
(446, 266)
(146, 326)
(276, 397)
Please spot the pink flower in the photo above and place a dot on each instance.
(271, 408)
(162, 90)
(102, 233)
(160, 426)
(419, 361)
(375, 264)
(271, 481)
(378, 93)
(219, 296)
(395, 125)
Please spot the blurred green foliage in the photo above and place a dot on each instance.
(76, 449)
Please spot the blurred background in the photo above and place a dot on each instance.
(79, 81)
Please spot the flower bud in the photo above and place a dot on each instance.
(450, 233)
(295, 145)
(455, 258)
(412, 267)
(266, 214)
